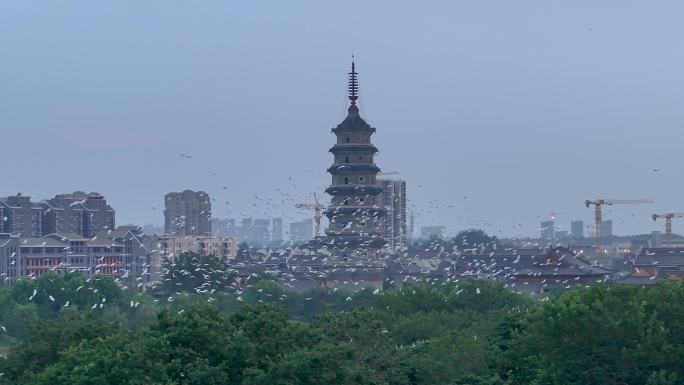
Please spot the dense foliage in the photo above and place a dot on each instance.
(464, 240)
(460, 332)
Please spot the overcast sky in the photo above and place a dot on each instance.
(521, 107)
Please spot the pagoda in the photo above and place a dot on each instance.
(356, 219)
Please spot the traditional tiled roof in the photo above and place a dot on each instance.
(662, 257)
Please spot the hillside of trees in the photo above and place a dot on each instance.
(71, 330)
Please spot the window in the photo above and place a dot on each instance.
(347, 140)
(346, 180)
(346, 159)
(360, 179)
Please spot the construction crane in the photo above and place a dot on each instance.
(597, 210)
(668, 224)
(317, 208)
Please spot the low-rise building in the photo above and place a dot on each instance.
(164, 248)
(119, 254)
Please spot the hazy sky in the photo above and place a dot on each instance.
(523, 107)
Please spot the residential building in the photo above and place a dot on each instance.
(18, 215)
(577, 229)
(548, 231)
(260, 234)
(99, 216)
(393, 200)
(77, 213)
(224, 227)
(301, 231)
(187, 213)
(606, 228)
(246, 230)
(117, 253)
(164, 249)
(277, 229)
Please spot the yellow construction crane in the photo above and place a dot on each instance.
(317, 208)
(668, 224)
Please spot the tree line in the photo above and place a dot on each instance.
(453, 333)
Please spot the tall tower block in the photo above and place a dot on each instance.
(355, 215)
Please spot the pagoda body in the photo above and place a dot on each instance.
(355, 216)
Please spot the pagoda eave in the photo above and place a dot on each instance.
(353, 168)
(345, 189)
(338, 148)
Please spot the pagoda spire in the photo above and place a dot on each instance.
(353, 89)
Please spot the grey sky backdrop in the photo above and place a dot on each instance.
(523, 107)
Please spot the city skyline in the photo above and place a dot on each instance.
(497, 109)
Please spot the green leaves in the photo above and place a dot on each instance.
(602, 335)
(446, 333)
(195, 273)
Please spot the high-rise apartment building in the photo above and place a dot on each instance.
(301, 231)
(277, 229)
(548, 231)
(393, 200)
(77, 213)
(246, 230)
(606, 228)
(260, 234)
(187, 213)
(18, 215)
(577, 229)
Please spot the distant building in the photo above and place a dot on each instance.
(117, 253)
(606, 229)
(75, 213)
(301, 231)
(246, 230)
(18, 215)
(167, 248)
(224, 227)
(428, 232)
(393, 199)
(277, 229)
(577, 229)
(63, 214)
(548, 231)
(260, 234)
(99, 216)
(187, 213)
